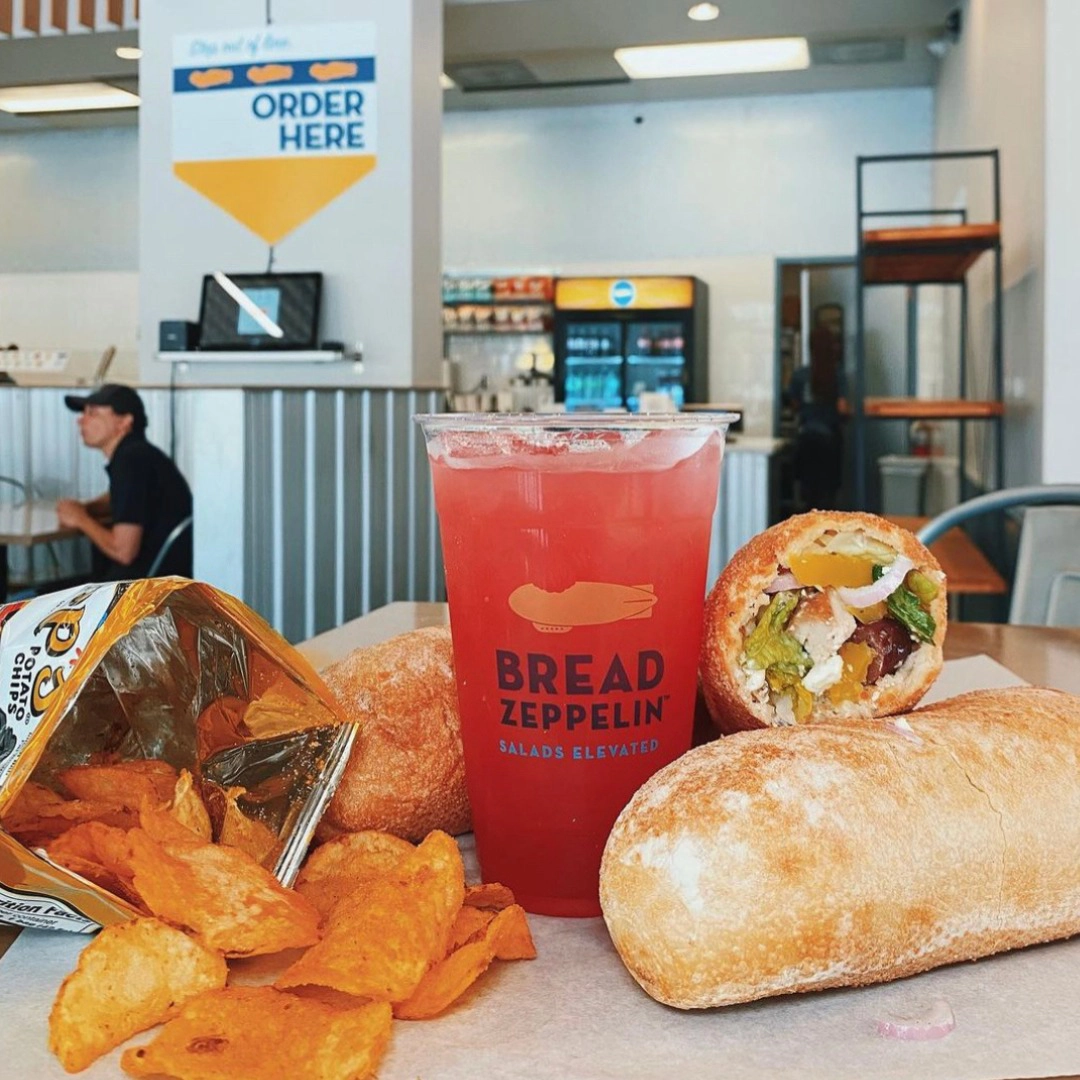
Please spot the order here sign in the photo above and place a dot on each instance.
(272, 123)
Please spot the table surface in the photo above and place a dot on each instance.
(1038, 655)
(23, 524)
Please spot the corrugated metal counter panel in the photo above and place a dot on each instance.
(339, 515)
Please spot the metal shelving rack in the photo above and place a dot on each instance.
(926, 255)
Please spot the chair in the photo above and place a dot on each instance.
(167, 544)
(1046, 584)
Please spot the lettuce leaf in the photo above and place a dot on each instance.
(769, 644)
(904, 606)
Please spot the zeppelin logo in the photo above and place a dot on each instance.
(628, 684)
(585, 603)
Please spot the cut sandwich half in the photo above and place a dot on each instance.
(827, 615)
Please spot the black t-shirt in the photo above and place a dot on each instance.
(146, 488)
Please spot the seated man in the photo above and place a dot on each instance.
(147, 496)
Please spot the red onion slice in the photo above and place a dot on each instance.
(902, 727)
(880, 590)
(784, 582)
(936, 1023)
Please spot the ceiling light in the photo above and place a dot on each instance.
(65, 97)
(704, 12)
(446, 82)
(714, 58)
(133, 52)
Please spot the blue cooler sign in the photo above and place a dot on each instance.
(623, 293)
(274, 122)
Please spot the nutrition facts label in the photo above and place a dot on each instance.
(42, 912)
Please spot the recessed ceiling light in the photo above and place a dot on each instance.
(446, 82)
(133, 52)
(704, 12)
(714, 58)
(65, 97)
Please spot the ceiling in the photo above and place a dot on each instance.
(560, 52)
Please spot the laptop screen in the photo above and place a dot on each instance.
(259, 311)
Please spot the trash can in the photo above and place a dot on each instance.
(903, 484)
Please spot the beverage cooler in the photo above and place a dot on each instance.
(617, 338)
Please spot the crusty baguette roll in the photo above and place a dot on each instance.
(848, 853)
(406, 775)
(822, 654)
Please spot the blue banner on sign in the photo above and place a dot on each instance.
(260, 76)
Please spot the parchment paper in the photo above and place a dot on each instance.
(575, 1012)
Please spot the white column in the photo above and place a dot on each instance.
(378, 243)
(1061, 384)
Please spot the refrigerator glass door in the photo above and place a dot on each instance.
(592, 370)
(655, 361)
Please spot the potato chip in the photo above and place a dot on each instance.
(222, 895)
(337, 868)
(380, 940)
(250, 835)
(188, 808)
(513, 939)
(100, 853)
(470, 922)
(38, 814)
(126, 783)
(257, 1033)
(451, 977)
(129, 978)
(489, 895)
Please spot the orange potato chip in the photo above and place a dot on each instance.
(340, 866)
(513, 938)
(470, 922)
(247, 833)
(257, 1033)
(222, 895)
(188, 808)
(126, 783)
(129, 978)
(100, 853)
(490, 895)
(451, 977)
(38, 814)
(380, 940)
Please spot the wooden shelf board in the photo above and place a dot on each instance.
(967, 570)
(939, 253)
(932, 409)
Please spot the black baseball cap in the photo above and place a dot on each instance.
(121, 399)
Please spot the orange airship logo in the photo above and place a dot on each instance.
(585, 603)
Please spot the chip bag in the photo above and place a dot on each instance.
(118, 699)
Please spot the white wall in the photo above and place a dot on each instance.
(714, 188)
(1061, 380)
(377, 243)
(992, 94)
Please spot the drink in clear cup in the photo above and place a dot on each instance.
(576, 552)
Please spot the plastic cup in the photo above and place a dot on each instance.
(576, 551)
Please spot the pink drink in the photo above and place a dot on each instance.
(576, 551)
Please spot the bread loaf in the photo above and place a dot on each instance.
(784, 642)
(406, 774)
(848, 853)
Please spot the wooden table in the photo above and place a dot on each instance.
(968, 570)
(1049, 657)
(26, 524)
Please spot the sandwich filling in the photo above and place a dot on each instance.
(847, 612)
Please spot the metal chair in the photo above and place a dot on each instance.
(167, 544)
(1046, 584)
